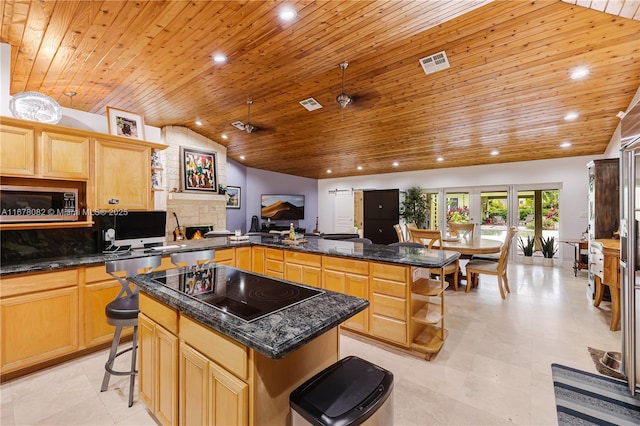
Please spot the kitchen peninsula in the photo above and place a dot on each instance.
(406, 307)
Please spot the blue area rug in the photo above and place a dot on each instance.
(584, 398)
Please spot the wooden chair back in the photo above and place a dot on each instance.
(506, 247)
(427, 237)
(398, 229)
(464, 230)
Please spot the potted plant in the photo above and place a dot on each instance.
(527, 249)
(549, 249)
(414, 207)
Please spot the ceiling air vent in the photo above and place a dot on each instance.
(435, 62)
(310, 104)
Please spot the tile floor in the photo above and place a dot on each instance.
(493, 369)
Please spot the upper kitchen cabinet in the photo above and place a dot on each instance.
(17, 151)
(122, 176)
(30, 149)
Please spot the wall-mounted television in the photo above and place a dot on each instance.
(282, 207)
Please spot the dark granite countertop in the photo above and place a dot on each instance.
(274, 335)
(376, 252)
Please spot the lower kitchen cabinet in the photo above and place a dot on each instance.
(243, 258)
(389, 295)
(158, 380)
(226, 257)
(38, 318)
(258, 259)
(274, 263)
(303, 268)
(350, 277)
(208, 393)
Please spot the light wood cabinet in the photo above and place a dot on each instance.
(274, 263)
(427, 312)
(388, 298)
(17, 151)
(303, 268)
(158, 352)
(258, 259)
(38, 318)
(122, 179)
(65, 156)
(226, 257)
(243, 258)
(350, 277)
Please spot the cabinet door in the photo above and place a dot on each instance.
(228, 398)
(243, 258)
(122, 176)
(293, 272)
(225, 257)
(17, 151)
(257, 259)
(194, 373)
(38, 327)
(166, 376)
(312, 276)
(96, 297)
(146, 355)
(358, 286)
(65, 156)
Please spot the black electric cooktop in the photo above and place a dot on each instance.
(239, 293)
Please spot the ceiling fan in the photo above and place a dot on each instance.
(248, 127)
(343, 99)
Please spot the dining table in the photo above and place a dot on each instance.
(472, 246)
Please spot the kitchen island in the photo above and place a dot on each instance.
(220, 345)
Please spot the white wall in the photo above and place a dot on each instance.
(571, 174)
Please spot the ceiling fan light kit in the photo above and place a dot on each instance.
(343, 99)
(249, 128)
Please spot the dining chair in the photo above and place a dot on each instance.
(432, 239)
(475, 267)
(462, 230)
(123, 312)
(398, 229)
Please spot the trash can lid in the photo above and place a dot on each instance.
(348, 392)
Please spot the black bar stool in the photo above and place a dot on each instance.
(123, 312)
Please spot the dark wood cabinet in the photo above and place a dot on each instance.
(381, 212)
(604, 203)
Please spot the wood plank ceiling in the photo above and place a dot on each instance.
(508, 87)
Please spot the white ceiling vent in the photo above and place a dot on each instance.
(435, 62)
(310, 104)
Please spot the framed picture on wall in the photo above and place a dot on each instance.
(198, 170)
(125, 123)
(233, 197)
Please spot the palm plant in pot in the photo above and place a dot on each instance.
(527, 249)
(549, 249)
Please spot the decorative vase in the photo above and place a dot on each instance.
(547, 261)
(527, 260)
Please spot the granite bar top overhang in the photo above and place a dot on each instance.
(410, 256)
(274, 335)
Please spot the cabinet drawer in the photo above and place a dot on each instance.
(220, 349)
(357, 267)
(392, 288)
(303, 258)
(389, 272)
(274, 265)
(389, 328)
(224, 255)
(274, 254)
(22, 284)
(389, 306)
(160, 313)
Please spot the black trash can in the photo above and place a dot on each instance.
(350, 392)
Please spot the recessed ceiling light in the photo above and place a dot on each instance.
(224, 136)
(571, 116)
(440, 159)
(578, 73)
(198, 123)
(395, 164)
(242, 157)
(359, 167)
(219, 58)
(328, 170)
(287, 14)
(565, 144)
(495, 152)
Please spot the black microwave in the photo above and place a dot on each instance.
(38, 204)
